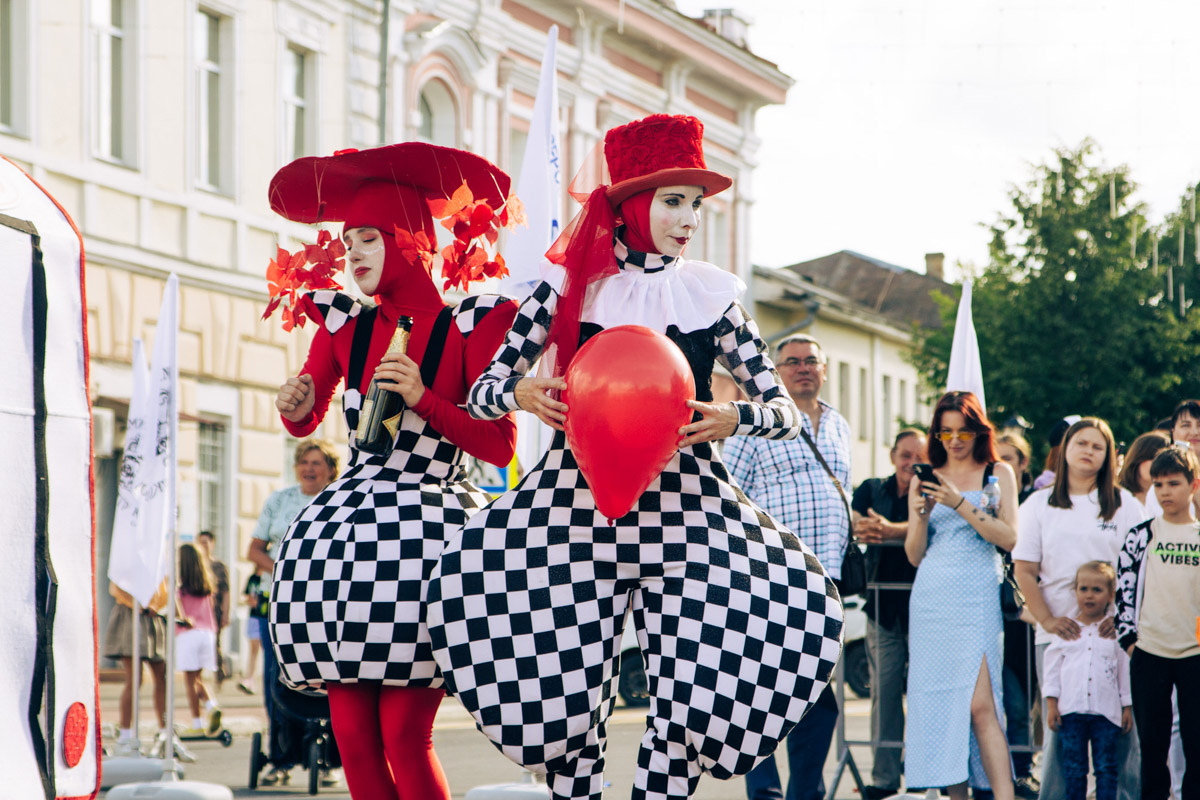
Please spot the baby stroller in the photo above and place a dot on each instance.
(316, 750)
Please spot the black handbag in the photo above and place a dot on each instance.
(854, 563)
(1012, 599)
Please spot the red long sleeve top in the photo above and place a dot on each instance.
(464, 358)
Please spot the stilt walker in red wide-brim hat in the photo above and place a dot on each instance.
(347, 602)
(738, 624)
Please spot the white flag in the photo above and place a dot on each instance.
(539, 186)
(146, 491)
(966, 373)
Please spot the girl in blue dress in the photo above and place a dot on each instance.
(955, 731)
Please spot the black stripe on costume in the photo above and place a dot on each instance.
(41, 694)
(359, 347)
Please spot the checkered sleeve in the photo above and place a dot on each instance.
(494, 394)
(740, 457)
(770, 411)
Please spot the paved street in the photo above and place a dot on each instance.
(469, 759)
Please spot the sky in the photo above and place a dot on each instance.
(910, 120)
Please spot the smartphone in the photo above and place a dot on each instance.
(925, 473)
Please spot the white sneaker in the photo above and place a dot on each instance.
(331, 777)
(126, 749)
(274, 776)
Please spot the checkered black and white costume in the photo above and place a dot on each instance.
(350, 573)
(737, 622)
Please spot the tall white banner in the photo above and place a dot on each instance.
(966, 371)
(141, 547)
(540, 188)
(540, 184)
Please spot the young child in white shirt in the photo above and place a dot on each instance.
(1087, 691)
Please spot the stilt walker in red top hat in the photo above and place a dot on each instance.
(737, 622)
(347, 608)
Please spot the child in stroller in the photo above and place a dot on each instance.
(308, 741)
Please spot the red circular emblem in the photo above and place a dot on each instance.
(75, 734)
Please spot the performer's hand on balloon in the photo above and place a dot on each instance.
(399, 373)
(295, 399)
(719, 421)
(533, 395)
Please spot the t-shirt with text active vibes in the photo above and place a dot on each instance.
(1171, 598)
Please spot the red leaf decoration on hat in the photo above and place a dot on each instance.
(513, 213)
(287, 277)
(462, 197)
(415, 247)
(467, 259)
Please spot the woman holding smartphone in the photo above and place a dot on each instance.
(954, 733)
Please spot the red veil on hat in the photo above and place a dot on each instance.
(399, 189)
(659, 150)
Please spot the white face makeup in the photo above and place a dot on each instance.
(674, 217)
(365, 254)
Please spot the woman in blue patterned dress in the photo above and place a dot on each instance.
(955, 732)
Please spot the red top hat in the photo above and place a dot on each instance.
(659, 150)
(323, 189)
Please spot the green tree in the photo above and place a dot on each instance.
(1070, 311)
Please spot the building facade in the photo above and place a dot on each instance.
(157, 126)
(862, 311)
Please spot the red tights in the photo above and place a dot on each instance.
(385, 736)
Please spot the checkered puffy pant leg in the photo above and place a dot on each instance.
(349, 582)
(737, 622)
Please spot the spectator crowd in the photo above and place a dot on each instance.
(1005, 609)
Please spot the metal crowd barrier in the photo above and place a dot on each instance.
(846, 757)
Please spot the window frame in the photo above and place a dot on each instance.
(445, 109)
(307, 101)
(212, 516)
(17, 79)
(889, 416)
(202, 69)
(115, 102)
(844, 391)
(864, 404)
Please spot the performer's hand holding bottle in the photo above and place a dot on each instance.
(400, 374)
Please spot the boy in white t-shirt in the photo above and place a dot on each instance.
(1087, 689)
(1158, 606)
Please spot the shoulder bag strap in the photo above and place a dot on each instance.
(836, 482)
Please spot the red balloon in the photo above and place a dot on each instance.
(627, 392)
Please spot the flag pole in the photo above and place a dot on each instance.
(136, 674)
(172, 531)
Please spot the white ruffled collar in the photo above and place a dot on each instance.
(655, 291)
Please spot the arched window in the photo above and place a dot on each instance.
(439, 115)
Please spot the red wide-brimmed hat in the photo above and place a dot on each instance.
(322, 189)
(659, 150)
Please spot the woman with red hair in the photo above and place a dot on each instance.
(738, 625)
(954, 732)
(347, 607)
